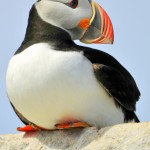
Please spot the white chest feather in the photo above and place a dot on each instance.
(47, 85)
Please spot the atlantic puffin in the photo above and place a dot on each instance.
(53, 83)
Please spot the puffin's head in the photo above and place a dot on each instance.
(84, 20)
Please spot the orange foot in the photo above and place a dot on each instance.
(68, 125)
(29, 128)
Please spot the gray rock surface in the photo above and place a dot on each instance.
(131, 136)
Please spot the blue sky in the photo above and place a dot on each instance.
(131, 47)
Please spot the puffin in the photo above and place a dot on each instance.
(53, 83)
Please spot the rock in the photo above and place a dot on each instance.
(131, 136)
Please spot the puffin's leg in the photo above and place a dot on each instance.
(30, 128)
(71, 124)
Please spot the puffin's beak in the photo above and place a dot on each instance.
(100, 29)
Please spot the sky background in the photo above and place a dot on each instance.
(131, 48)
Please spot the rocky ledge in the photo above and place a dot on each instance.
(131, 136)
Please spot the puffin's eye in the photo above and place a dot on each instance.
(73, 3)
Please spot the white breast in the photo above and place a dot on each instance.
(46, 86)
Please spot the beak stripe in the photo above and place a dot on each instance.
(106, 28)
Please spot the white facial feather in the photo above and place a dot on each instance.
(62, 1)
(59, 14)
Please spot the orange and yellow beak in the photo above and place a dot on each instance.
(98, 29)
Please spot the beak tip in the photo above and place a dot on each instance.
(112, 35)
(112, 40)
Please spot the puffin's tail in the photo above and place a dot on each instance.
(136, 118)
(130, 116)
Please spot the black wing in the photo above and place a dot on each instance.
(114, 77)
(118, 85)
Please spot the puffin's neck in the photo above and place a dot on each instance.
(40, 31)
